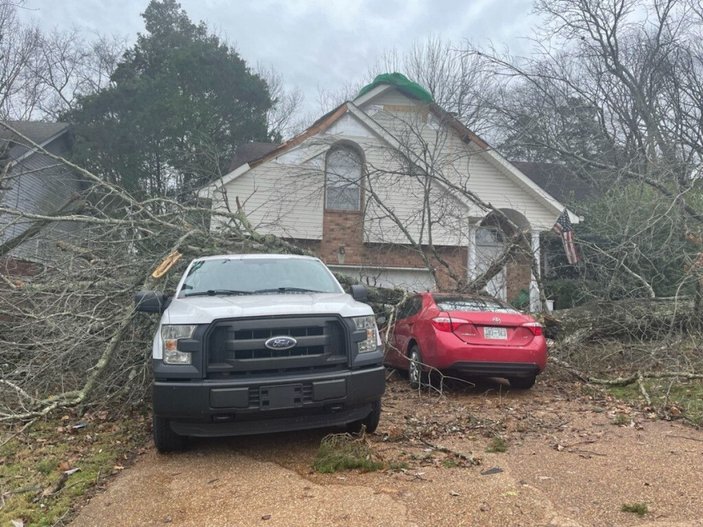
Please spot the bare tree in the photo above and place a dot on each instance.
(284, 119)
(615, 93)
(457, 81)
(68, 67)
(69, 334)
(329, 98)
(19, 44)
(41, 75)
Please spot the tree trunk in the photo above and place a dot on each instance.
(636, 319)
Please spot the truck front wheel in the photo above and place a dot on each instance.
(165, 439)
(370, 421)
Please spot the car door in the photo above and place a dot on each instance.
(404, 326)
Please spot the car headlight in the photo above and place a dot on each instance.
(373, 339)
(170, 335)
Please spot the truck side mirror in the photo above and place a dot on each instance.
(359, 293)
(151, 301)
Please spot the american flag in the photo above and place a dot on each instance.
(564, 229)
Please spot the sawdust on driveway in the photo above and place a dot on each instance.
(566, 464)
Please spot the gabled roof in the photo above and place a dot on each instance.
(39, 132)
(538, 182)
(354, 108)
(460, 128)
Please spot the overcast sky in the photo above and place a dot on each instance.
(311, 43)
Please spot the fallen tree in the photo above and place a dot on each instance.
(651, 345)
(632, 318)
(69, 335)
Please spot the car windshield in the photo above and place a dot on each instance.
(472, 304)
(258, 276)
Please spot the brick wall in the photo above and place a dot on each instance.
(342, 243)
(345, 230)
(518, 276)
(405, 256)
(342, 238)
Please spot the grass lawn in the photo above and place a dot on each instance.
(47, 468)
(672, 398)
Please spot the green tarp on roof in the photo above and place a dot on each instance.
(402, 83)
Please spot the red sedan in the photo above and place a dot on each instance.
(467, 335)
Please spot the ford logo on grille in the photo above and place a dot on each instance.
(280, 343)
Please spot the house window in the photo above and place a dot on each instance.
(490, 236)
(343, 179)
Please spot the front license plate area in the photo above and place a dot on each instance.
(495, 333)
(280, 397)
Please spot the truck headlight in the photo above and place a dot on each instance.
(170, 335)
(373, 339)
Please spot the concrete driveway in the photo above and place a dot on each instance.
(566, 464)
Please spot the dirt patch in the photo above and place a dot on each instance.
(566, 463)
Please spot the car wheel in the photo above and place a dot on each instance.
(415, 374)
(165, 439)
(370, 421)
(522, 383)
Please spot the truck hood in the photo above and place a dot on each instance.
(205, 309)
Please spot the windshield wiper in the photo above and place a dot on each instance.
(215, 292)
(286, 290)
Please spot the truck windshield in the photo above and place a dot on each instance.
(258, 276)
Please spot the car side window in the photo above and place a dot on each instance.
(409, 308)
(414, 306)
(402, 310)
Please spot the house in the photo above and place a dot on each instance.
(34, 184)
(392, 189)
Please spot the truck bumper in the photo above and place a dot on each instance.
(226, 407)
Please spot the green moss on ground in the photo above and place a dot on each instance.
(344, 452)
(38, 480)
(640, 509)
(674, 398)
(497, 445)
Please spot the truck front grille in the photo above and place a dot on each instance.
(238, 347)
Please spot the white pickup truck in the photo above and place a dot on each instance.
(262, 343)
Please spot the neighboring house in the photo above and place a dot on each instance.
(33, 183)
(560, 181)
(386, 184)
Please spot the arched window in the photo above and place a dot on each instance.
(343, 179)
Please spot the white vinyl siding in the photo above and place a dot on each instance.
(39, 185)
(499, 189)
(466, 166)
(277, 199)
(394, 98)
(285, 196)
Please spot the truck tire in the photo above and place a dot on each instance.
(165, 439)
(370, 421)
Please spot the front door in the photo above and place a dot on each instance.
(489, 246)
